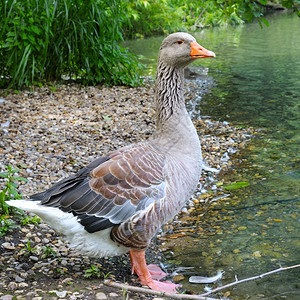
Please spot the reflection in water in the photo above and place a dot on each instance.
(257, 228)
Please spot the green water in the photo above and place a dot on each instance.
(257, 75)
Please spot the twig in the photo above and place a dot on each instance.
(153, 292)
(248, 279)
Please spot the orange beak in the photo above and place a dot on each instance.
(198, 51)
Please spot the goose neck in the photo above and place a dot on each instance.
(169, 92)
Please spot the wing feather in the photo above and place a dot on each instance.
(111, 189)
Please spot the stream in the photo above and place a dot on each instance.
(257, 83)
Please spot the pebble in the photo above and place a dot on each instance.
(34, 258)
(19, 279)
(101, 296)
(60, 294)
(8, 246)
(113, 295)
(6, 297)
(23, 284)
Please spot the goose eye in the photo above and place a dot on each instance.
(179, 42)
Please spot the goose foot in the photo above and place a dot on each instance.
(147, 274)
(156, 272)
(163, 286)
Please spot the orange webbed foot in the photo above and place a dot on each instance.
(147, 274)
(156, 272)
(163, 286)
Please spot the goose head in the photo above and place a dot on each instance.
(180, 49)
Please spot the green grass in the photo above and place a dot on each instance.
(43, 40)
(9, 189)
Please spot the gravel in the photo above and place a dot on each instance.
(50, 133)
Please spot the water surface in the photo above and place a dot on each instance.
(257, 75)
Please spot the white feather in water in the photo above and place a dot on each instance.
(202, 279)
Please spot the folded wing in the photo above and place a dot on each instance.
(111, 189)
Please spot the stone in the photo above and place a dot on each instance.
(6, 297)
(19, 279)
(34, 258)
(113, 295)
(12, 286)
(23, 284)
(101, 296)
(8, 246)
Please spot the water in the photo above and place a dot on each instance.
(257, 74)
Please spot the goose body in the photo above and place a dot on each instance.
(119, 201)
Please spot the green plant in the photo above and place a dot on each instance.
(94, 271)
(9, 189)
(35, 220)
(48, 252)
(29, 248)
(45, 40)
(6, 224)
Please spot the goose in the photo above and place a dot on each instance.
(118, 202)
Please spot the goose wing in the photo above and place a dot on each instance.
(111, 189)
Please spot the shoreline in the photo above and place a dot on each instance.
(52, 132)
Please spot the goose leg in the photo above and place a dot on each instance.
(139, 267)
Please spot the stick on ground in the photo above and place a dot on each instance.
(248, 279)
(192, 297)
(141, 290)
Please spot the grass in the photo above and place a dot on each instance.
(42, 41)
(9, 190)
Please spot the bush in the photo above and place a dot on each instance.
(44, 40)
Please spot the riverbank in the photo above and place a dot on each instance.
(50, 133)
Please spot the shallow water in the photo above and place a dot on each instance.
(257, 75)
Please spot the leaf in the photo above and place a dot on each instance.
(21, 179)
(265, 21)
(263, 2)
(236, 185)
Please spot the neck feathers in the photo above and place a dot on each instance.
(169, 91)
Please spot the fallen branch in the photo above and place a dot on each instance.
(248, 279)
(192, 297)
(137, 289)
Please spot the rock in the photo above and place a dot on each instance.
(23, 284)
(101, 296)
(113, 295)
(19, 279)
(8, 246)
(6, 297)
(256, 254)
(12, 286)
(34, 258)
(178, 277)
(37, 239)
(64, 262)
(60, 294)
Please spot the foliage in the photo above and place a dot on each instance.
(6, 224)
(9, 189)
(45, 40)
(147, 18)
(48, 252)
(94, 272)
(42, 41)
(236, 185)
(164, 16)
(35, 220)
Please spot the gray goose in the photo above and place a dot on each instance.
(119, 201)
